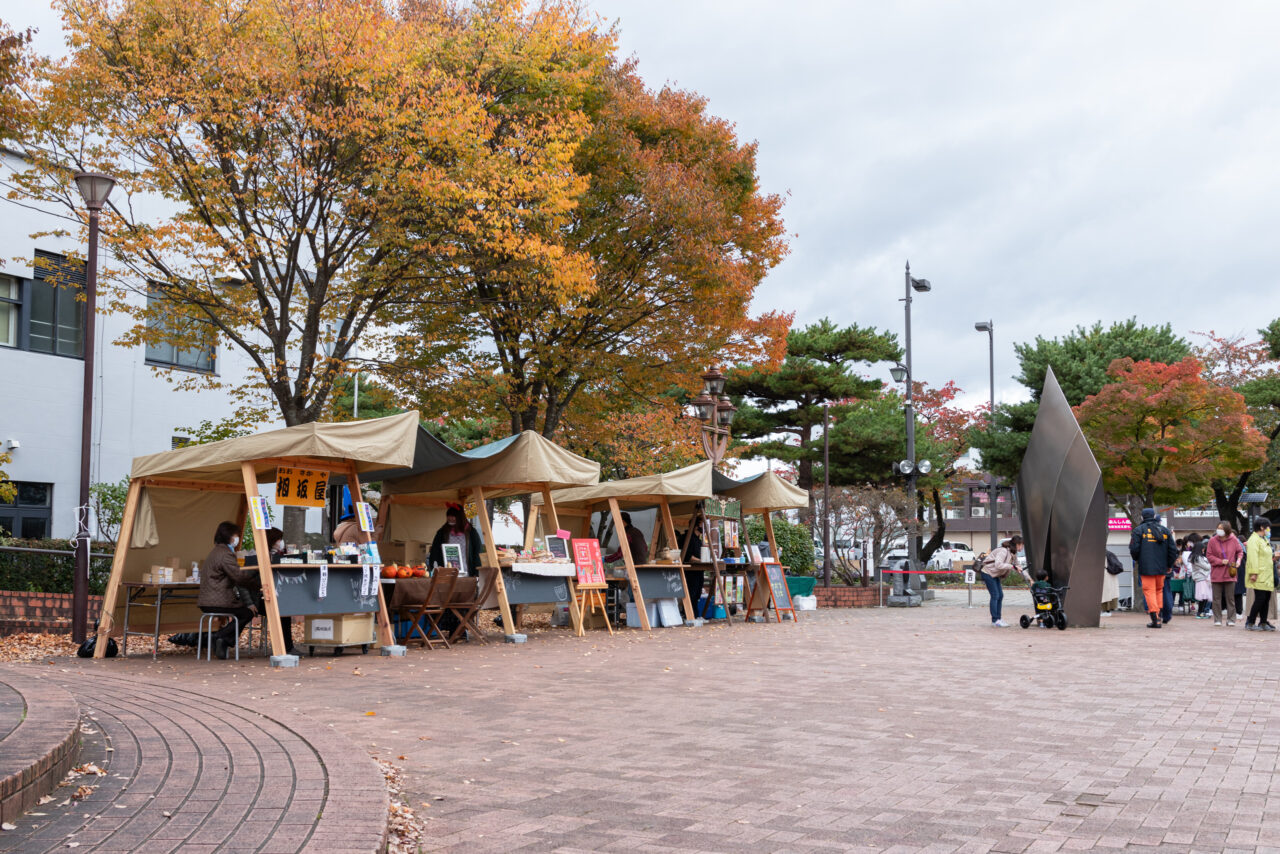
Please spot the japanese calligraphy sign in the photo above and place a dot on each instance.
(301, 487)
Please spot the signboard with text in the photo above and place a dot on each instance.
(1119, 523)
(301, 487)
(587, 561)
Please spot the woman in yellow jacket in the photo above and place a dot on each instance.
(1259, 575)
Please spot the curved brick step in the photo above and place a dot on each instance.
(39, 741)
(195, 774)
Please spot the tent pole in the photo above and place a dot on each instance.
(385, 637)
(575, 613)
(625, 545)
(266, 573)
(531, 528)
(108, 613)
(669, 528)
(491, 552)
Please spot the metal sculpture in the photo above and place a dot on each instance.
(1062, 506)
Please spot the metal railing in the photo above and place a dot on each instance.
(52, 551)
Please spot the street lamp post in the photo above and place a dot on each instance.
(94, 189)
(715, 411)
(826, 495)
(902, 592)
(988, 327)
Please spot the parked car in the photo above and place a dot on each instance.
(894, 559)
(950, 552)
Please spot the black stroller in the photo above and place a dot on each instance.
(1048, 605)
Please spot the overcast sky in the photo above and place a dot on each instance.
(1044, 165)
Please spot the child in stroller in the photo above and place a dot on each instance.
(1048, 604)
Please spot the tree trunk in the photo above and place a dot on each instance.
(935, 542)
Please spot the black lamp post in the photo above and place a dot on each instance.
(988, 327)
(94, 189)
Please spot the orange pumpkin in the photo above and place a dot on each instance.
(420, 572)
(406, 572)
(390, 571)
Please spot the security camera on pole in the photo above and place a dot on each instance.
(902, 597)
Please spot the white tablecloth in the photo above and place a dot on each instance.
(561, 569)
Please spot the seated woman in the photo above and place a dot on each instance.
(220, 575)
(275, 546)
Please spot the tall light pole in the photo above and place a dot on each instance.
(989, 327)
(826, 495)
(902, 592)
(94, 189)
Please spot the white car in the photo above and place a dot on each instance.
(950, 553)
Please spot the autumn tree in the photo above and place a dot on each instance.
(1080, 361)
(788, 401)
(15, 65)
(660, 233)
(317, 169)
(1252, 368)
(1162, 433)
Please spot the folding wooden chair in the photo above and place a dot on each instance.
(466, 611)
(434, 606)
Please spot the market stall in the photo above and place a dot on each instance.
(176, 499)
(763, 494)
(524, 464)
(647, 576)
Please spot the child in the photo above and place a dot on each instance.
(1042, 580)
(1200, 572)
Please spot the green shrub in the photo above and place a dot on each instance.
(46, 573)
(795, 541)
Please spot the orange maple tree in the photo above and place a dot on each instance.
(1162, 433)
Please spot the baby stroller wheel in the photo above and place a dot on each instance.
(1046, 620)
(1061, 619)
(1024, 621)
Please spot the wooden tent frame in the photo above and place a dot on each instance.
(249, 492)
(477, 494)
(612, 506)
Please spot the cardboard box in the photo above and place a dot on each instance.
(340, 629)
(173, 562)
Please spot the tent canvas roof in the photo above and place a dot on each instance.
(375, 444)
(516, 465)
(766, 491)
(429, 454)
(686, 484)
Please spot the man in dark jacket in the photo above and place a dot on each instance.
(1154, 554)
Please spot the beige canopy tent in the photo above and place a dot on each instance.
(524, 464)
(659, 490)
(763, 494)
(176, 498)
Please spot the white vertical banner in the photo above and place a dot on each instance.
(324, 581)
(366, 580)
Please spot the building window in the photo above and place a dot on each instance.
(10, 310)
(55, 313)
(30, 514)
(164, 354)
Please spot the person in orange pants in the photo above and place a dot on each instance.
(1154, 554)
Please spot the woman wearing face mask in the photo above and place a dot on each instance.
(220, 575)
(1224, 552)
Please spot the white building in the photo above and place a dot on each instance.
(137, 410)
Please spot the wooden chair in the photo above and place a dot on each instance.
(434, 606)
(466, 611)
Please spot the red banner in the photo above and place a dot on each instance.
(586, 557)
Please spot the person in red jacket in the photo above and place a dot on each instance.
(1224, 552)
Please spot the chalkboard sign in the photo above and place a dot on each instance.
(298, 591)
(525, 589)
(778, 586)
(659, 582)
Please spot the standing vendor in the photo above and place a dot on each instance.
(220, 576)
(635, 540)
(694, 579)
(456, 530)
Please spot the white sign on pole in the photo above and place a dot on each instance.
(970, 577)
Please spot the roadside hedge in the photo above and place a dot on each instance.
(45, 573)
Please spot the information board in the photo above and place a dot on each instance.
(301, 487)
(660, 582)
(588, 563)
(778, 587)
(346, 590)
(525, 589)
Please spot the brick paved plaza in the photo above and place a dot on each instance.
(854, 730)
